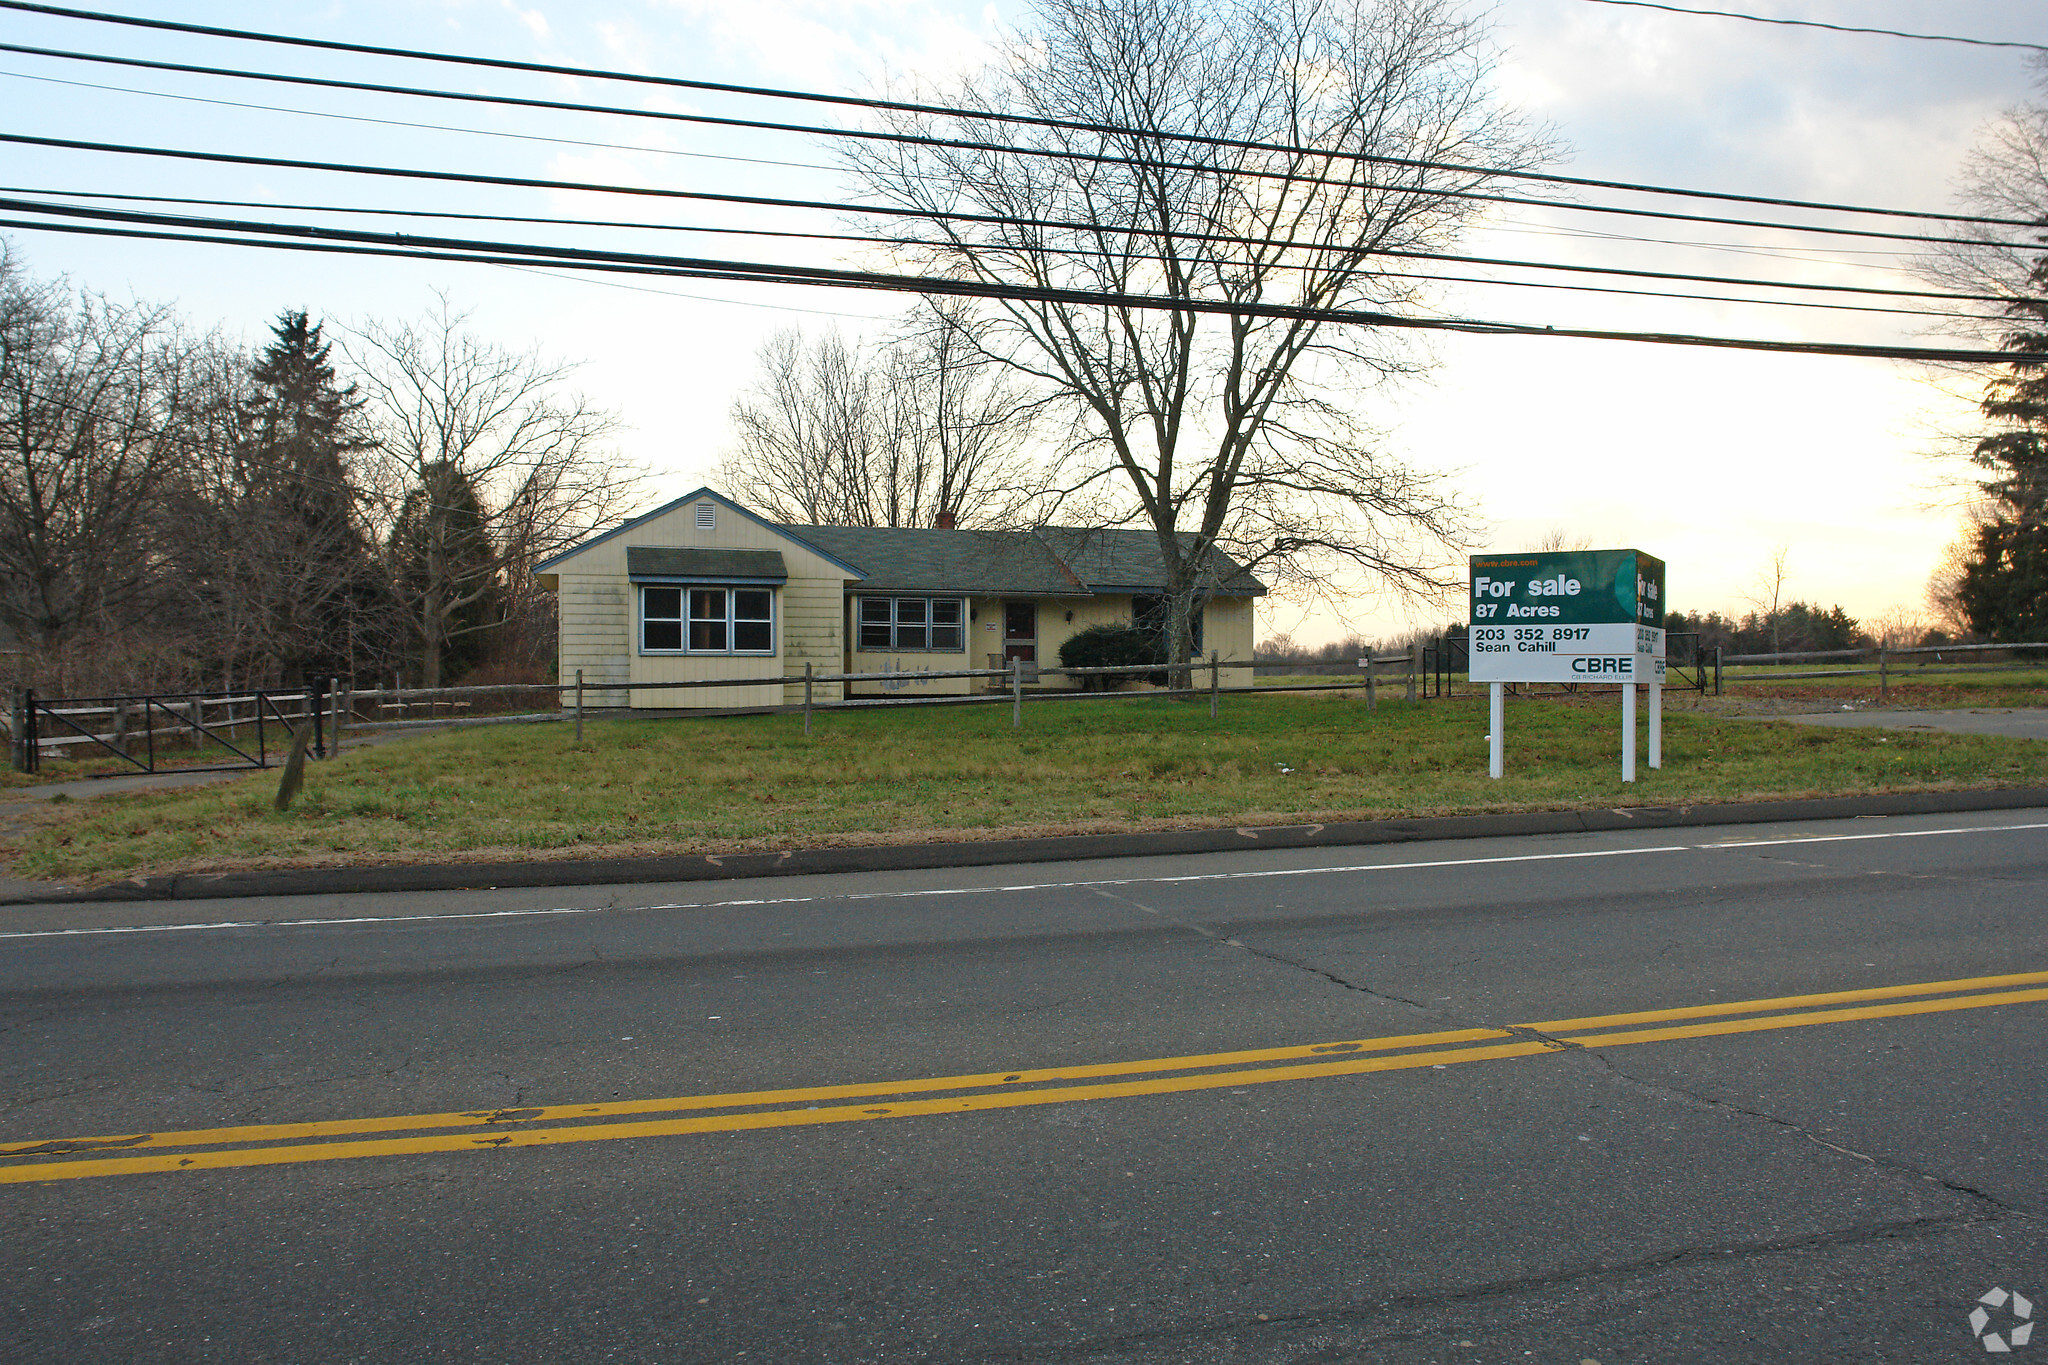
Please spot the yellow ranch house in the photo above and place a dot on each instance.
(703, 589)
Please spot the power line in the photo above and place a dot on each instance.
(333, 241)
(1061, 154)
(405, 123)
(966, 114)
(1815, 23)
(355, 210)
(694, 298)
(1094, 229)
(641, 225)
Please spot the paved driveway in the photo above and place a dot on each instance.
(2012, 721)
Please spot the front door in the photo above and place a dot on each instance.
(1020, 631)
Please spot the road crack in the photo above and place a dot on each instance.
(1282, 959)
(1696, 1100)
(1364, 1315)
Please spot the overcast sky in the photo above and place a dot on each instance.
(1707, 458)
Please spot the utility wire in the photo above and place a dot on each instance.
(1093, 229)
(1519, 228)
(1101, 158)
(334, 241)
(970, 115)
(45, 205)
(405, 123)
(1815, 23)
(694, 298)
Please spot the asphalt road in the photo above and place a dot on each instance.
(1370, 1105)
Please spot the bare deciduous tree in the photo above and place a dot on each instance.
(2004, 176)
(1945, 582)
(96, 409)
(1559, 538)
(499, 462)
(844, 434)
(264, 539)
(1767, 593)
(1233, 432)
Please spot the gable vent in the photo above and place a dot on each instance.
(707, 516)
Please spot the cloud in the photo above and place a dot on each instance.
(535, 22)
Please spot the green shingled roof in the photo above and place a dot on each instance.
(704, 565)
(983, 563)
(1129, 561)
(1053, 561)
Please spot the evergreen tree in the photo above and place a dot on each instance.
(2004, 588)
(302, 427)
(448, 572)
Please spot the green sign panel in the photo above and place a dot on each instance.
(1570, 616)
(1568, 587)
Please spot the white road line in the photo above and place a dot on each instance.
(932, 892)
(1850, 838)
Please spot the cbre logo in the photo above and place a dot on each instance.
(2013, 1325)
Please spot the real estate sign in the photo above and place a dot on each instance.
(1567, 616)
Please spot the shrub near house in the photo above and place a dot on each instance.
(1114, 646)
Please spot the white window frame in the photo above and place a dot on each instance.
(731, 591)
(860, 647)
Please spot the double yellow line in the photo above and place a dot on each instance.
(548, 1125)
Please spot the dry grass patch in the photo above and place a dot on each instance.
(685, 786)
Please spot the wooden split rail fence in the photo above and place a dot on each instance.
(1887, 664)
(250, 729)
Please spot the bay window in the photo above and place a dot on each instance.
(719, 620)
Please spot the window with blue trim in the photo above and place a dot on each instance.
(719, 620)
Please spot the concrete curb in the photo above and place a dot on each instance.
(994, 852)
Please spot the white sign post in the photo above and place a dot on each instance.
(1572, 616)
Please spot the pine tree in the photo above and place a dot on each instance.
(302, 428)
(448, 571)
(2004, 589)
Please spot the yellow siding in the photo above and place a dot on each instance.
(1227, 628)
(913, 665)
(810, 628)
(596, 622)
(599, 611)
(599, 614)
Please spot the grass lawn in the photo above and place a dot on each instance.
(649, 786)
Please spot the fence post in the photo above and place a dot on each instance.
(1884, 681)
(807, 699)
(1215, 679)
(579, 706)
(316, 714)
(17, 732)
(1016, 694)
(334, 717)
(1717, 670)
(1414, 665)
(1372, 683)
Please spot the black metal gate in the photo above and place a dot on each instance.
(47, 721)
